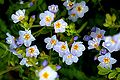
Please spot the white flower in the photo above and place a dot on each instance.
(18, 16)
(32, 51)
(27, 37)
(51, 42)
(106, 60)
(47, 74)
(60, 26)
(77, 49)
(80, 9)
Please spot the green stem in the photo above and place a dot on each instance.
(35, 26)
(9, 69)
(82, 27)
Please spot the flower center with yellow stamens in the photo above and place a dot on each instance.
(112, 41)
(26, 36)
(31, 50)
(95, 45)
(45, 75)
(106, 60)
(99, 35)
(70, 4)
(53, 42)
(73, 14)
(20, 18)
(79, 8)
(69, 56)
(48, 18)
(58, 25)
(75, 47)
(63, 47)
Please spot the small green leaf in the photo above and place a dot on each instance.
(113, 17)
(103, 71)
(112, 74)
(108, 17)
(118, 77)
(1, 1)
(118, 69)
(106, 25)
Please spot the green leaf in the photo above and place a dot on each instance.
(1, 1)
(113, 17)
(118, 69)
(106, 25)
(118, 77)
(112, 74)
(108, 17)
(103, 71)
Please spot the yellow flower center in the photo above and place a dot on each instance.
(79, 8)
(63, 47)
(69, 56)
(31, 50)
(26, 36)
(106, 60)
(53, 42)
(95, 45)
(20, 18)
(58, 25)
(99, 35)
(112, 41)
(75, 47)
(73, 14)
(48, 18)
(70, 4)
(45, 75)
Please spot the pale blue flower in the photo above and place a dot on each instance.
(45, 63)
(51, 42)
(18, 16)
(32, 51)
(58, 67)
(60, 26)
(27, 37)
(19, 42)
(98, 34)
(72, 15)
(93, 43)
(80, 8)
(25, 62)
(53, 8)
(77, 49)
(46, 18)
(11, 40)
(110, 43)
(61, 48)
(106, 60)
(69, 4)
(87, 38)
(70, 58)
(103, 51)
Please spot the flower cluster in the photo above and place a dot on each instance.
(48, 17)
(75, 10)
(62, 48)
(26, 38)
(109, 44)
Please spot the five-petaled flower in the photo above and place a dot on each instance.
(47, 73)
(69, 4)
(98, 34)
(11, 40)
(25, 62)
(61, 48)
(77, 49)
(51, 42)
(46, 18)
(70, 58)
(93, 43)
(27, 37)
(32, 51)
(106, 60)
(80, 8)
(18, 16)
(60, 26)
